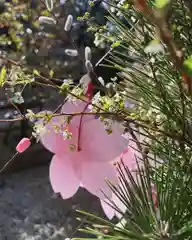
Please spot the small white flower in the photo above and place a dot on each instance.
(38, 129)
(30, 115)
(65, 135)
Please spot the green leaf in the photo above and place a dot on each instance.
(188, 65)
(3, 76)
(161, 3)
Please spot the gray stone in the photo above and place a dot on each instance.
(29, 210)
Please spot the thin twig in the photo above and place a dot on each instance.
(104, 56)
(9, 162)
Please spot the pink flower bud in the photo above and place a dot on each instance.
(89, 91)
(23, 145)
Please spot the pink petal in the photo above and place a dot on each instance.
(104, 147)
(50, 139)
(23, 145)
(108, 210)
(121, 206)
(63, 177)
(77, 106)
(73, 106)
(77, 159)
(128, 158)
(94, 176)
(55, 141)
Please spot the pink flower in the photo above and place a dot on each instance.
(109, 207)
(23, 145)
(84, 159)
(129, 160)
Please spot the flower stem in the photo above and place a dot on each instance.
(79, 129)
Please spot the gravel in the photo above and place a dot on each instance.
(29, 210)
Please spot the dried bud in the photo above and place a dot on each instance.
(49, 4)
(47, 20)
(68, 23)
(87, 54)
(71, 52)
(89, 66)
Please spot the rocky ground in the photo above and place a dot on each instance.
(29, 210)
